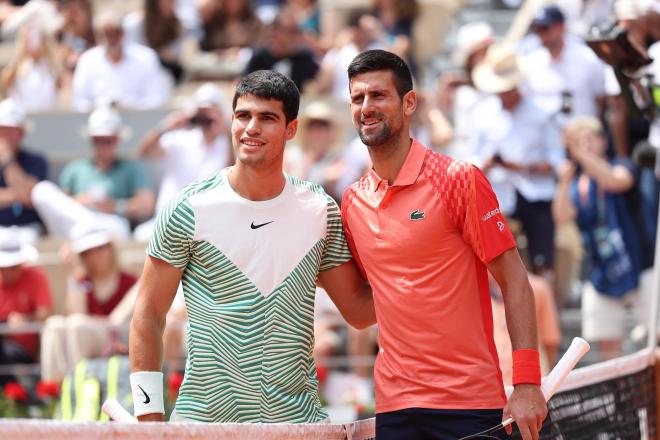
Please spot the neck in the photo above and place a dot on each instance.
(388, 158)
(104, 274)
(103, 165)
(114, 53)
(256, 184)
(556, 49)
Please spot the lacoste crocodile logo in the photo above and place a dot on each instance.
(417, 215)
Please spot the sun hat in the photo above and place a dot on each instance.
(12, 251)
(88, 236)
(471, 37)
(499, 72)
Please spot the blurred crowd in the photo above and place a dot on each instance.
(562, 114)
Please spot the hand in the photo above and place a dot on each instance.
(15, 319)
(176, 120)
(528, 409)
(106, 205)
(566, 172)
(156, 417)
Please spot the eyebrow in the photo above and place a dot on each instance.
(262, 114)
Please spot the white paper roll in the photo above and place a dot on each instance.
(553, 381)
(117, 412)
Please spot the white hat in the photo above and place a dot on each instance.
(105, 121)
(12, 114)
(85, 236)
(12, 251)
(208, 95)
(470, 38)
(499, 72)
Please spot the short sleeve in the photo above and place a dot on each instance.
(41, 295)
(66, 178)
(345, 203)
(484, 227)
(335, 251)
(140, 177)
(173, 234)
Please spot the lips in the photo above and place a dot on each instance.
(252, 143)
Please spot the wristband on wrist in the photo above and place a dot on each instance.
(120, 207)
(526, 367)
(147, 389)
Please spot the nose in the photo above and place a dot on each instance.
(253, 127)
(367, 107)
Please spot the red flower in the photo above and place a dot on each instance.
(15, 391)
(46, 389)
(321, 373)
(174, 380)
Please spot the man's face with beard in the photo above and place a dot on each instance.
(376, 107)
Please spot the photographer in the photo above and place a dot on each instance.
(597, 193)
(192, 144)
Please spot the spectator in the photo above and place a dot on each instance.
(158, 27)
(105, 183)
(24, 298)
(397, 18)
(193, 145)
(115, 71)
(33, 78)
(362, 33)
(20, 170)
(95, 290)
(519, 148)
(284, 52)
(77, 32)
(315, 156)
(565, 76)
(456, 100)
(596, 192)
(229, 25)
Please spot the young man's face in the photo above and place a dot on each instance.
(259, 131)
(377, 110)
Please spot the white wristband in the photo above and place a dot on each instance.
(147, 389)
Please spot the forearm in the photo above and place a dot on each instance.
(140, 206)
(520, 310)
(599, 169)
(7, 197)
(149, 147)
(364, 313)
(563, 210)
(146, 340)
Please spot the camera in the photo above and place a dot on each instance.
(201, 121)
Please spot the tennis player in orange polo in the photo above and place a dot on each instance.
(424, 230)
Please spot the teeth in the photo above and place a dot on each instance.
(252, 144)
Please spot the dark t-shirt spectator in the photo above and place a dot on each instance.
(299, 67)
(17, 215)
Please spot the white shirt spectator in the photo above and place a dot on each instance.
(577, 71)
(135, 82)
(187, 159)
(582, 15)
(525, 136)
(36, 88)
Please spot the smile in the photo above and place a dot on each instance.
(252, 143)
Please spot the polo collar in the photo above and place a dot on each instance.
(410, 170)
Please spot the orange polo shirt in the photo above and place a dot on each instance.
(423, 243)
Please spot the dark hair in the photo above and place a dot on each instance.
(268, 84)
(375, 60)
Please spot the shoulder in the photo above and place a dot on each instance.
(77, 165)
(447, 171)
(91, 55)
(140, 53)
(314, 191)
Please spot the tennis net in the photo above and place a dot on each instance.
(610, 400)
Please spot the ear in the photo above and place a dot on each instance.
(409, 103)
(291, 129)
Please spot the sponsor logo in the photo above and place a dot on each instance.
(417, 215)
(500, 225)
(491, 214)
(253, 226)
(146, 396)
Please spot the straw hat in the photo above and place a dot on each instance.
(499, 72)
(12, 251)
(87, 236)
(470, 38)
(321, 111)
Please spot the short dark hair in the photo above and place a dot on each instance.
(375, 60)
(268, 84)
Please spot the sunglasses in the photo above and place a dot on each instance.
(104, 141)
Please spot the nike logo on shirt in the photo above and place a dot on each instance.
(253, 226)
(145, 395)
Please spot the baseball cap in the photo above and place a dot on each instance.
(471, 37)
(104, 121)
(547, 16)
(12, 114)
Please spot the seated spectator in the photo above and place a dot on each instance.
(158, 27)
(314, 156)
(119, 72)
(106, 183)
(77, 32)
(33, 78)
(229, 25)
(362, 33)
(192, 144)
(397, 18)
(24, 298)
(96, 288)
(308, 16)
(284, 51)
(596, 192)
(19, 171)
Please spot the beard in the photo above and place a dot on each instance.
(380, 137)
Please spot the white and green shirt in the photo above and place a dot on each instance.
(249, 277)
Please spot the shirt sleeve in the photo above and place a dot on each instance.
(173, 234)
(484, 227)
(335, 252)
(345, 203)
(41, 290)
(140, 177)
(66, 179)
